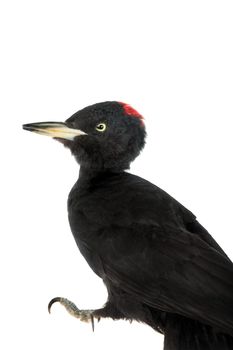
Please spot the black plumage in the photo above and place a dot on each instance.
(160, 266)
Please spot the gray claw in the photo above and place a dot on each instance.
(83, 315)
(52, 301)
(92, 323)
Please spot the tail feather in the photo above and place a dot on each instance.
(185, 334)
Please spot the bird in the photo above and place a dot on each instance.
(160, 266)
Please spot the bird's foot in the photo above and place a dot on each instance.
(82, 315)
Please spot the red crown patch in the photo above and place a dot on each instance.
(131, 111)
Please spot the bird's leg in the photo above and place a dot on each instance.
(87, 315)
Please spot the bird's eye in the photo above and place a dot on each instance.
(101, 127)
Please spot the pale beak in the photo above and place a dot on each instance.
(54, 129)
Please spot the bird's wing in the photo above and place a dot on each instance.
(173, 270)
(196, 228)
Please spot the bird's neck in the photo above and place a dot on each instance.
(88, 175)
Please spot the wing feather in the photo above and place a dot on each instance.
(179, 273)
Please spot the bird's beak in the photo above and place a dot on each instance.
(54, 129)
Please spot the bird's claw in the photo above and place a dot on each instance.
(82, 315)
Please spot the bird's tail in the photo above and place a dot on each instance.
(185, 334)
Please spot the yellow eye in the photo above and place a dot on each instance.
(101, 127)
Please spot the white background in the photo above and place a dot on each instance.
(171, 60)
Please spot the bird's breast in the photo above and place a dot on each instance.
(93, 217)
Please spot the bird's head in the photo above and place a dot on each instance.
(107, 135)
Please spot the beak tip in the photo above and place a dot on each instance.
(27, 127)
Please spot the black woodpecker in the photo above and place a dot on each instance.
(159, 265)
